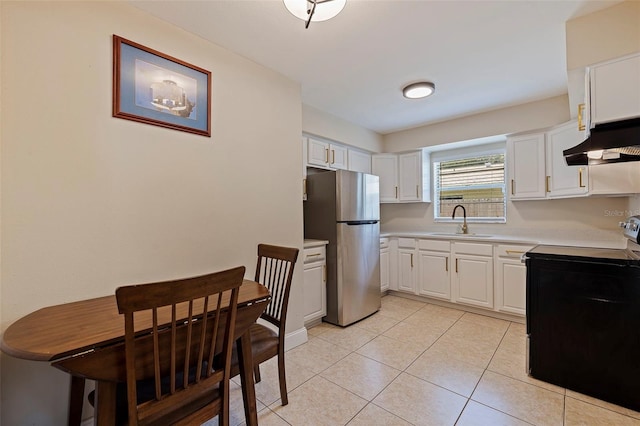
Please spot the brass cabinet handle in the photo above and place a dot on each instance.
(412, 260)
(515, 252)
(547, 183)
(417, 191)
(446, 264)
(513, 187)
(581, 125)
(314, 255)
(326, 155)
(304, 187)
(396, 192)
(333, 156)
(580, 177)
(456, 265)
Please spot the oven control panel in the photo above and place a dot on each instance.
(631, 228)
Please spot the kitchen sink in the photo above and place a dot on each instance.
(455, 234)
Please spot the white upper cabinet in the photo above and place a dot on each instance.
(404, 178)
(537, 168)
(386, 167)
(359, 161)
(563, 180)
(526, 166)
(615, 90)
(326, 155)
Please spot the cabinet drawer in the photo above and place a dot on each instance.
(314, 254)
(473, 248)
(512, 250)
(406, 243)
(435, 245)
(384, 242)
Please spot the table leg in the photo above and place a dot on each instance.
(245, 359)
(76, 400)
(105, 404)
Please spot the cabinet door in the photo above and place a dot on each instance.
(526, 166)
(359, 161)
(315, 298)
(434, 274)
(406, 269)
(474, 280)
(386, 167)
(410, 177)
(511, 284)
(384, 269)
(615, 90)
(317, 153)
(563, 180)
(337, 157)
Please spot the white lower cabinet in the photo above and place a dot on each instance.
(510, 279)
(384, 264)
(434, 278)
(315, 284)
(407, 270)
(478, 274)
(472, 276)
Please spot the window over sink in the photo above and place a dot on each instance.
(473, 177)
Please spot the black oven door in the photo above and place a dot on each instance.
(583, 321)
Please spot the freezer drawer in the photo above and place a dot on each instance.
(357, 292)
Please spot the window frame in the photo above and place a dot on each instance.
(468, 152)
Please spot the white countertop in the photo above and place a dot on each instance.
(573, 238)
(314, 243)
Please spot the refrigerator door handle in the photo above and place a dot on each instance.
(359, 222)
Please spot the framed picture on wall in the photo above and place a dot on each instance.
(154, 88)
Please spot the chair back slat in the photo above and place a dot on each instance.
(177, 358)
(275, 271)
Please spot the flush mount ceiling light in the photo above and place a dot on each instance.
(314, 10)
(419, 90)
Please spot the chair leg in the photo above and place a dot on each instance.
(283, 379)
(224, 416)
(76, 400)
(256, 373)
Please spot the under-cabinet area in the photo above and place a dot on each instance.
(473, 274)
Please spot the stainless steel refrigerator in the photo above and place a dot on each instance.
(343, 207)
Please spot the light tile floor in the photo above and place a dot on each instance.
(421, 364)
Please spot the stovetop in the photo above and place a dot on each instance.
(627, 256)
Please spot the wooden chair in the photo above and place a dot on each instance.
(275, 271)
(171, 374)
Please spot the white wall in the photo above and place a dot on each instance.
(91, 202)
(320, 123)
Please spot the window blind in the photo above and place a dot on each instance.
(478, 183)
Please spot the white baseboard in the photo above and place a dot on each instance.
(295, 338)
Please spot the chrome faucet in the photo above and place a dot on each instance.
(464, 228)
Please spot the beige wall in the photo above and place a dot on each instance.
(91, 202)
(320, 123)
(569, 217)
(603, 35)
(519, 118)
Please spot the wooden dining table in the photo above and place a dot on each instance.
(86, 340)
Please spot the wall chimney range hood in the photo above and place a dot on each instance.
(608, 143)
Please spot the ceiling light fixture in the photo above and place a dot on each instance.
(419, 90)
(314, 10)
